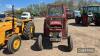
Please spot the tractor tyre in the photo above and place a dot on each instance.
(14, 43)
(97, 22)
(70, 44)
(28, 30)
(40, 42)
(47, 44)
(77, 20)
(97, 19)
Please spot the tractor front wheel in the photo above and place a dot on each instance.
(14, 43)
(70, 44)
(97, 22)
(40, 42)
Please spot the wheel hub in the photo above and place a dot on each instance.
(16, 44)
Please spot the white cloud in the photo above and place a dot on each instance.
(8, 6)
(17, 8)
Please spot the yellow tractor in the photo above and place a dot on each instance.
(11, 29)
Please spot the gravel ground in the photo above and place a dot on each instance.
(83, 37)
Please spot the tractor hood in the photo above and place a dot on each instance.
(2, 24)
(56, 16)
(5, 26)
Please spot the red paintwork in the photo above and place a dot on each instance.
(60, 22)
(85, 20)
(58, 30)
(55, 22)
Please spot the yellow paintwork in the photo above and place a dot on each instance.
(3, 27)
(7, 25)
(10, 18)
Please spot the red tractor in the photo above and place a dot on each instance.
(55, 27)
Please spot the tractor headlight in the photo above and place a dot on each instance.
(50, 34)
(60, 34)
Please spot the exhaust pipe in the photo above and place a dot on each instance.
(13, 18)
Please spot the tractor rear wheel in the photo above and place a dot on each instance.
(70, 44)
(97, 22)
(28, 30)
(97, 19)
(14, 43)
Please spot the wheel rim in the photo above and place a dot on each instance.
(16, 44)
(31, 29)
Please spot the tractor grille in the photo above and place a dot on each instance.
(55, 19)
(56, 27)
(55, 36)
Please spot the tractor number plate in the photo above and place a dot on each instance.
(55, 39)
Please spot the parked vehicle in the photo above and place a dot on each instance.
(77, 16)
(70, 14)
(26, 15)
(90, 14)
